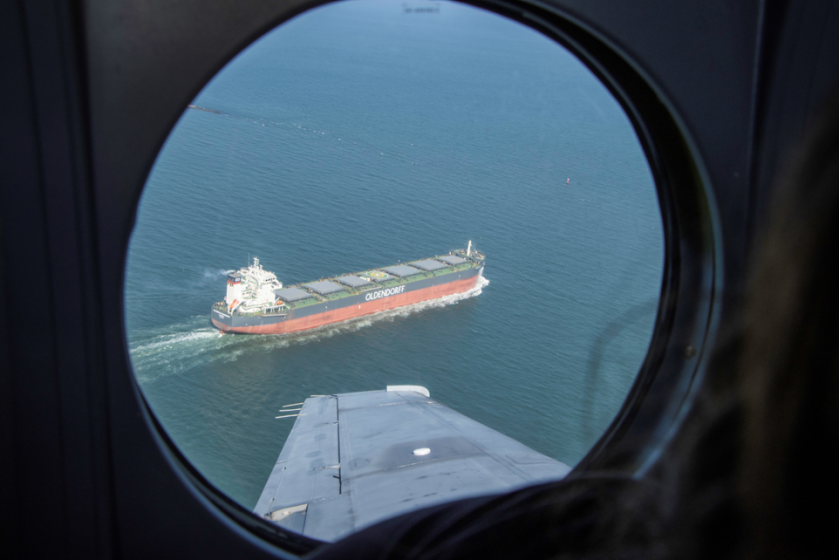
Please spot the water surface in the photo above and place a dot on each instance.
(358, 135)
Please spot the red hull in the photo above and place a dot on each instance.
(353, 311)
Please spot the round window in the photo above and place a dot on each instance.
(423, 196)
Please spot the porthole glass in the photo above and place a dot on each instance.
(367, 135)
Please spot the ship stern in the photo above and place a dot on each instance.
(221, 320)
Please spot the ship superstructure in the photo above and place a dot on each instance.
(251, 290)
(257, 303)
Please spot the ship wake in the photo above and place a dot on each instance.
(179, 348)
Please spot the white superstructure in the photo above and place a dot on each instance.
(251, 288)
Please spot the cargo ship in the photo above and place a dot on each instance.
(257, 303)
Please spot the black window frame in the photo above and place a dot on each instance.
(73, 84)
(663, 387)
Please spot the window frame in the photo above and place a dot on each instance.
(687, 312)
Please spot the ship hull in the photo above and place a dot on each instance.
(336, 311)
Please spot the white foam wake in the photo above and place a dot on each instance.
(155, 354)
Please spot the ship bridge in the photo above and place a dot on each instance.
(254, 291)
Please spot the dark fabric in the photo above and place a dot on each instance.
(596, 517)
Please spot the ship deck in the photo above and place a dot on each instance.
(471, 262)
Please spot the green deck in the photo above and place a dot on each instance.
(474, 261)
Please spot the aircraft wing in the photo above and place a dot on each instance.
(354, 459)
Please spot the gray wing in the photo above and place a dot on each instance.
(354, 459)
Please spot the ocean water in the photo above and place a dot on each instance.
(358, 135)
